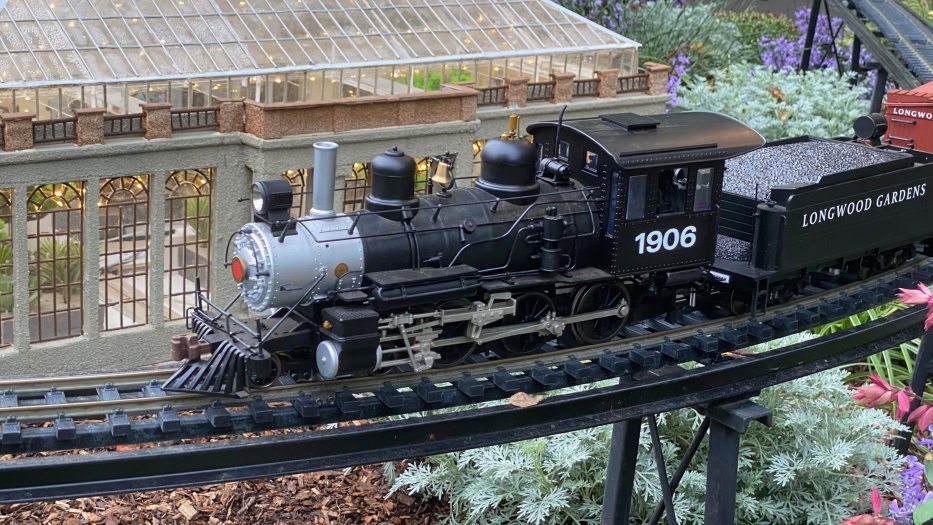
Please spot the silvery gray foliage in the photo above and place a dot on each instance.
(822, 454)
(780, 104)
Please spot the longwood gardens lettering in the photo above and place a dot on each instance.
(860, 206)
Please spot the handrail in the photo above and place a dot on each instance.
(117, 125)
(53, 130)
(588, 87)
(194, 118)
(633, 83)
(489, 96)
(540, 90)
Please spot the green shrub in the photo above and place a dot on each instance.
(433, 81)
(59, 263)
(780, 104)
(821, 455)
(665, 29)
(199, 207)
(6, 292)
(752, 25)
(924, 8)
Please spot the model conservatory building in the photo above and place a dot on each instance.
(130, 132)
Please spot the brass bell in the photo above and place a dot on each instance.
(513, 132)
(442, 176)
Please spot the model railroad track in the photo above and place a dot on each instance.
(902, 42)
(84, 384)
(650, 349)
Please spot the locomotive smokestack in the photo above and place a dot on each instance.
(325, 176)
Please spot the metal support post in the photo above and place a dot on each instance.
(620, 472)
(728, 422)
(856, 65)
(811, 31)
(923, 369)
(877, 93)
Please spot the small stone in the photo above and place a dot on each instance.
(733, 249)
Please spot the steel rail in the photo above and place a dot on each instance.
(327, 391)
(40, 384)
(198, 464)
(856, 14)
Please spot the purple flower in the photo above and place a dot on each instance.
(913, 493)
(780, 54)
(783, 54)
(678, 70)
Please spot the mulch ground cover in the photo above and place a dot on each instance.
(335, 497)
(340, 497)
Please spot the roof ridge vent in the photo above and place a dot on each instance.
(631, 121)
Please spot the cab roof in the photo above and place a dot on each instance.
(639, 141)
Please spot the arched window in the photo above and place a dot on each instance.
(300, 180)
(56, 267)
(124, 251)
(187, 237)
(356, 186)
(6, 268)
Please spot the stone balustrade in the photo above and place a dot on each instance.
(455, 102)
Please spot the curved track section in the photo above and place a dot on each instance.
(107, 420)
(164, 467)
(903, 42)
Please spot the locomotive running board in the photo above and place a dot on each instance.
(224, 374)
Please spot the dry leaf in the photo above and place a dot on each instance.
(523, 400)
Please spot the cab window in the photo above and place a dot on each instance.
(591, 161)
(563, 150)
(672, 190)
(703, 190)
(637, 193)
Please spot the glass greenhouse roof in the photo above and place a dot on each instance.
(61, 42)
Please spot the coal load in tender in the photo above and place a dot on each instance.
(733, 249)
(797, 162)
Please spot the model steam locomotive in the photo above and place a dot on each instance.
(563, 240)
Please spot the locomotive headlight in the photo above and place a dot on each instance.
(259, 199)
(271, 197)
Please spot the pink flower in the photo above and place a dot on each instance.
(870, 519)
(923, 415)
(876, 501)
(903, 405)
(878, 392)
(922, 295)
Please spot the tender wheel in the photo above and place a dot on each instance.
(600, 296)
(453, 355)
(739, 302)
(529, 307)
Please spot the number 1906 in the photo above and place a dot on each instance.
(656, 240)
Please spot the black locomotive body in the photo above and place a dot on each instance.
(563, 240)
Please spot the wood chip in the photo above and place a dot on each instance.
(188, 511)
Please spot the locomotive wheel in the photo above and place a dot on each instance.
(600, 296)
(529, 307)
(453, 355)
(269, 381)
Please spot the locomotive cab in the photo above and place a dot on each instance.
(660, 178)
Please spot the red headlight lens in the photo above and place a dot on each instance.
(238, 269)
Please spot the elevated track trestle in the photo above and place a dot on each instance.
(650, 382)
